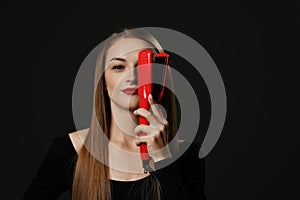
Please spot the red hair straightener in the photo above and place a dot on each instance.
(146, 58)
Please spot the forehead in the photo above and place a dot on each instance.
(124, 46)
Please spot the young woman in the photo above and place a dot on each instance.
(102, 161)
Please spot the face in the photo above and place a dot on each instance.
(121, 83)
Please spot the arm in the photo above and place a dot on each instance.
(183, 179)
(50, 180)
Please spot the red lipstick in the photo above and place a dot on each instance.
(130, 91)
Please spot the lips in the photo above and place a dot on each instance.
(130, 91)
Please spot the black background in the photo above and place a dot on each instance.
(254, 45)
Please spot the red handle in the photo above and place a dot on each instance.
(144, 89)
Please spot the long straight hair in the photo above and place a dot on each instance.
(91, 177)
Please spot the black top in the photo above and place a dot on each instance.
(182, 179)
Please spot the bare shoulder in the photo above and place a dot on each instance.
(78, 137)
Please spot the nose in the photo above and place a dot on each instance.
(132, 75)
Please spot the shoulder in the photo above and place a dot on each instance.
(67, 145)
(64, 148)
(77, 138)
(61, 148)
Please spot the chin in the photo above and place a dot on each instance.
(130, 104)
(134, 102)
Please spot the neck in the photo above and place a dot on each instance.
(122, 127)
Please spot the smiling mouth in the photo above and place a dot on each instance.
(130, 91)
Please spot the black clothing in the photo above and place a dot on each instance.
(182, 179)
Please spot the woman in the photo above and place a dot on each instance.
(102, 162)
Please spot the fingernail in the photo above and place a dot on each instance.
(134, 112)
(150, 96)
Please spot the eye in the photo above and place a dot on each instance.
(118, 67)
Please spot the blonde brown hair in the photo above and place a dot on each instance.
(91, 177)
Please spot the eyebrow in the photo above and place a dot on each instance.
(119, 59)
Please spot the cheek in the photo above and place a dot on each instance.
(111, 84)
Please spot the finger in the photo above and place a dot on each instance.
(157, 139)
(142, 128)
(151, 100)
(155, 110)
(145, 113)
(154, 107)
(144, 139)
(151, 134)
